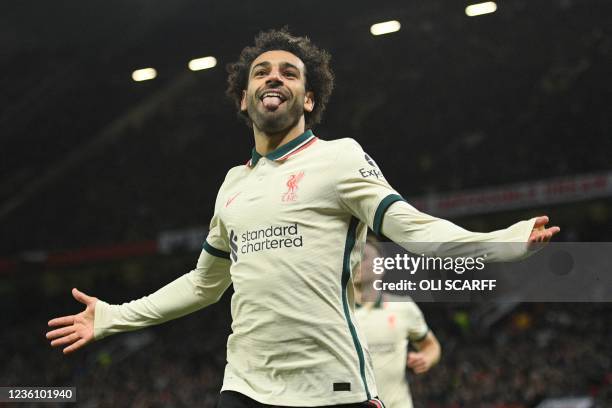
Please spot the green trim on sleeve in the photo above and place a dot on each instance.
(346, 275)
(382, 208)
(419, 339)
(214, 251)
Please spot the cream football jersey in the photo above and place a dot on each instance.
(287, 232)
(388, 328)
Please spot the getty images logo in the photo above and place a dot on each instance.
(233, 246)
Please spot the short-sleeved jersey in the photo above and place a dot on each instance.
(292, 224)
(388, 327)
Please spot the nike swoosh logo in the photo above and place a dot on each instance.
(232, 199)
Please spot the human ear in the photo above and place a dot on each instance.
(309, 101)
(243, 104)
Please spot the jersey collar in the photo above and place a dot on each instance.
(288, 149)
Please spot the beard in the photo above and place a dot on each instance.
(286, 116)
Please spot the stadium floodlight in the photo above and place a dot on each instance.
(202, 63)
(480, 9)
(385, 27)
(144, 74)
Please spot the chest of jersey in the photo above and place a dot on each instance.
(385, 329)
(275, 198)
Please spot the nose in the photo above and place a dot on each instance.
(274, 77)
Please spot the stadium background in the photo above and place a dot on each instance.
(108, 184)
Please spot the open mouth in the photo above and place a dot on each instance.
(272, 99)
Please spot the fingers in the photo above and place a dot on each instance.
(549, 232)
(60, 332)
(75, 346)
(420, 369)
(544, 235)
(81, 297)
(418, 363)
(541, 221)
(61, 321)
(67, 334)
(540, 233)
(415, 359)
(69, 339)
(418, 366)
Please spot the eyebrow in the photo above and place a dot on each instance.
(283, 65)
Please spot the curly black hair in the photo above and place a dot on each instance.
(319, 76)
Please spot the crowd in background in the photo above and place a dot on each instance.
(537, 351)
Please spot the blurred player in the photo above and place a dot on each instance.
(388, 325)
(274, 235)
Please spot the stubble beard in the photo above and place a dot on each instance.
(273, 123)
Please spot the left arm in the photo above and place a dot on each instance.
(411, 229)
(363, 191)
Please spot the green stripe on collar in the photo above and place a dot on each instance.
(282, 150)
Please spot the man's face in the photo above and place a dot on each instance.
(276, 96)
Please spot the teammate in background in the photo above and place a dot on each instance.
(388, 327)
(274, 235)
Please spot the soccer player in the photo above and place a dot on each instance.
(388, 325)
(284, 233)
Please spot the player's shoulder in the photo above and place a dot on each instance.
(401, 303)
(236, 170)
(343, 144)
(345, 152)
(398, 303)
(233, 175)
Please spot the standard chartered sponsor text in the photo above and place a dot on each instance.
(272, 237)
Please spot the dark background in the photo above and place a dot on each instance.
(89, 158)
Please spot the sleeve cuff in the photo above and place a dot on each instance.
(99, 320)
(420, 338)
(382, 209)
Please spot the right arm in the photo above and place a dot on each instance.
(428, 355)
(192, 291)
(199, 288)
(427, 345)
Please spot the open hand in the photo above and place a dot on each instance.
(540, 233)
(75, 330)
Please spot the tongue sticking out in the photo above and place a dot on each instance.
(271, 102)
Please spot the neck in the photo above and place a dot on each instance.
(268, 142)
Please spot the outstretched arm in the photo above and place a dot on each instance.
(192, 291)
(411, 228)
(362, 189)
